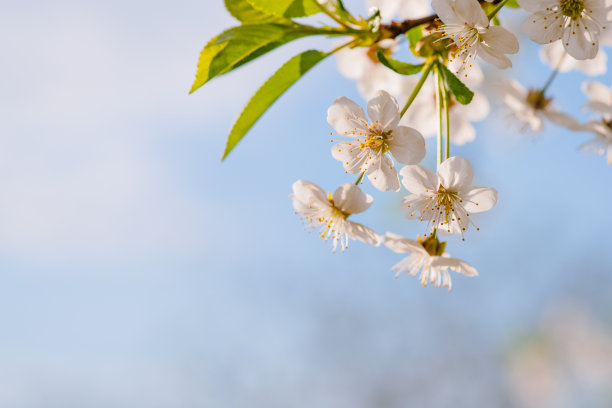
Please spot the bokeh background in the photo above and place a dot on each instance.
(137, 270)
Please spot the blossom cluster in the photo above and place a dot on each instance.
(387, 145)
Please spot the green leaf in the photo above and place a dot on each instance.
(245, 12)
(414, 36)
(462, 93)
(512, 4)
(239, 45)
(287, 8)
(336, 7)
(400, 67)
(269, 92)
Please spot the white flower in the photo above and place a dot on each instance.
(446, 199)
(467, 25)
(600, 101)
(331, 212)
(577, 23)
(361, 65)
(427, 257)
(551, 54)
(404, 8)
(375, 142)
(531, 108)
(601, 144)
(599, 98)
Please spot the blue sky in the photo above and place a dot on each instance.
(139, 270)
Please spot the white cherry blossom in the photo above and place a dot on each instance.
(330, 212)
(361, 65)
(375, 141)
(427, 257)
(530, 108)
(576, 23)
(403, 8)
(551, 54)
(600, 102)
(467, 25)
(445, 200)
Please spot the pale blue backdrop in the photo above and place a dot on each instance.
(137, 270)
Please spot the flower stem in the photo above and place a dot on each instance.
(553, 74)
(417, 87)
(494, 12)
(447, 116)
(439, 105)
(360, 178)
(343, 46)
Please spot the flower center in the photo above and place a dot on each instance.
(572, 8)
(536, 99)
(337, 211)
(445, 201)
(432, 245)
(607, 123)
(376, 141)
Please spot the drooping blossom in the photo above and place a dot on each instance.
(402, 8)
(375, 141)
(600, 102)
(445, 200)
(361, 65)
(576, 23)
(531, 108)
(467, 25)
(330, 212)
(555, 56)
(427, 256)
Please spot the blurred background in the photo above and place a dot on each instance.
(137, 270)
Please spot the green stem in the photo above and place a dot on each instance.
(360, 178)
(447, 116)
(439, 105)
(494, 12)
(417, 88)
(343, 46)
(553, 74)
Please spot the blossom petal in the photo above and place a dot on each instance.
(446, 11)
(456, 174)
(492, 56)
(456, 265)
(345, 116)
(418, 180)
(600, 96)
(544, 27)
(383, 175)
(402, 245)
(533, 6)
(562, 119)
(307, 195)
(350, 199)
(362, 233)
(472, 13)
(479, 199)
(579, 41)
(407, 145)
(501, 40)
(384, 110)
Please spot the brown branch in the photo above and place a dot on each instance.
(395, 29)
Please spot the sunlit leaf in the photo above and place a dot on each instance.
(462, 93)
(269, 92)
(400, 67)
